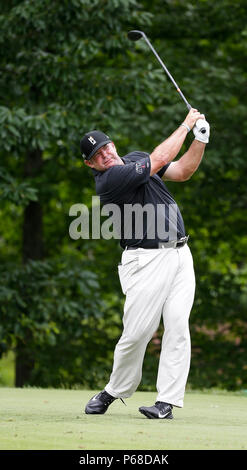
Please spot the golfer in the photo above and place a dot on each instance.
(156, 272)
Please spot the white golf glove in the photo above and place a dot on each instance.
(200, 126)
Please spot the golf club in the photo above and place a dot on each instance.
(135, 35)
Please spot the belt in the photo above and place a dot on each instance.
(172, 244)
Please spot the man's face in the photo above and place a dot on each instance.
(105, 158)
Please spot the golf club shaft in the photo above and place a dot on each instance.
(135, 35)
(167, 71)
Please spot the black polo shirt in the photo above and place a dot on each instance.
(132, 189)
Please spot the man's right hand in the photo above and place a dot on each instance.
(192, 116)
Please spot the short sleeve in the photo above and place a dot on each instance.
(162, 171)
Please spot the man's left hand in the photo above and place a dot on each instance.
(202, 137)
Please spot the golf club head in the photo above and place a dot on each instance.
(135, 35)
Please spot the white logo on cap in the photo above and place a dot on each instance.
(92, 140)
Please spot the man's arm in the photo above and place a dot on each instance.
(184, 168)
(168, 150)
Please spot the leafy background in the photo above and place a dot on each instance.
(67, 67)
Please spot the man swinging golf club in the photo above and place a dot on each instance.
(156, 274)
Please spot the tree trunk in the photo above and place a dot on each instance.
(24, 362)
(32, 250)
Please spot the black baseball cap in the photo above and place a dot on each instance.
(91, 142)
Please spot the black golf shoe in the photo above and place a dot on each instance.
(99, 403)
(160, 410)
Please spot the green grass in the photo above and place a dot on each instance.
(54, 419)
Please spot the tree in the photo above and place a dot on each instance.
(67, 67)
(52, 65)
(204, 42)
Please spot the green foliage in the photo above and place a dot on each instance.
(67, 67)
(58, 305)
(20, 193)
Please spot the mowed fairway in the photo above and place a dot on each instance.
(54, 419)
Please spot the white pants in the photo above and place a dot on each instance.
(157, 282)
